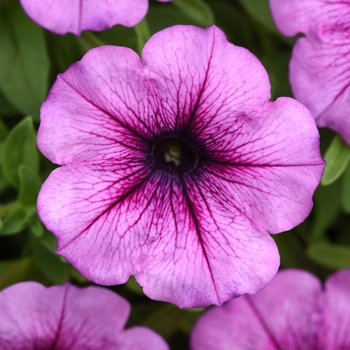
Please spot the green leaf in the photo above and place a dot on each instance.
(334, 256)
(49, 241)
(89, 40)
(36, 227)
(29, 185)
(197, 10)
(291, 250)
(24, 63)
(133, 286)
(260, 9)
(14, 271)
(20, 148)
(142, 33)
(345, 193)
(327, 208)
(49, 263)
(17, 220)
(337, 158)
(3, 131)
(165, 321)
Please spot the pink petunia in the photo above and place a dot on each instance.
(293, 312)
(175, 167)
(69, 318)
(320, 65)
(74, 16)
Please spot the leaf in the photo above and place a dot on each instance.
(197, 10)
(14, 271)
(17, 220)
(24, 63)
(20, 148)
(337, 157)
(49, 263)
(133, 286)
(142, 33)
(345, 193)
(165, 321)
(260, 10)
(327, 208)
(36, 227)
(3, 131)
(29, 185)
(334, 256)
(89, 40)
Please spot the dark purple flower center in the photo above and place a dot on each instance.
(174, 156)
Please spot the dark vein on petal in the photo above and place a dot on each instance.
(60, 322)
(198, 232)
(249, 165)
(127, 127)
(110, 207)
(201, 91)
(263, 323)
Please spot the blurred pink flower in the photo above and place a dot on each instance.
(175, 167)
(69, 318)
(320, 64)
(74, 16)
(293, 312)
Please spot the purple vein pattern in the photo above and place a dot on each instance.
(293, 312)
(74, 16)
(65, 317)
(175, 167)
(320, 64)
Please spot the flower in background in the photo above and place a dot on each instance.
(175, 167)
(69, 318)
(74, 16)
(320, 64)
(293, 312)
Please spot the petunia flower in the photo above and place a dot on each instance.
(74, 16)
(293, 312)
(69, 318)
(175, 167)
(320, 64)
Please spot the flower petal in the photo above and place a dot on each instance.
(301, 16)
(268, 164)
(74, 16)
(284, 315)
(142, 338)
(33, 316)
(101, 103)
(320, 76)
(197, 81)
(336, 303)
(168, 238)
(21, 327)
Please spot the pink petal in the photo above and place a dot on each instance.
(115, 214)
(336, 303)
(302, 16)
(271, 165)
(284, 315)
(102, 103)
(74, 16)
(67, 317)
(197, 81)
(320, 78)
(319, 68)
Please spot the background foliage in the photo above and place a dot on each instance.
(31, 58)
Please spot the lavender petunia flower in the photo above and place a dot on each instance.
(320, 65)
(174, 168)
(74, 16)
(69, 318)
(292, 313)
